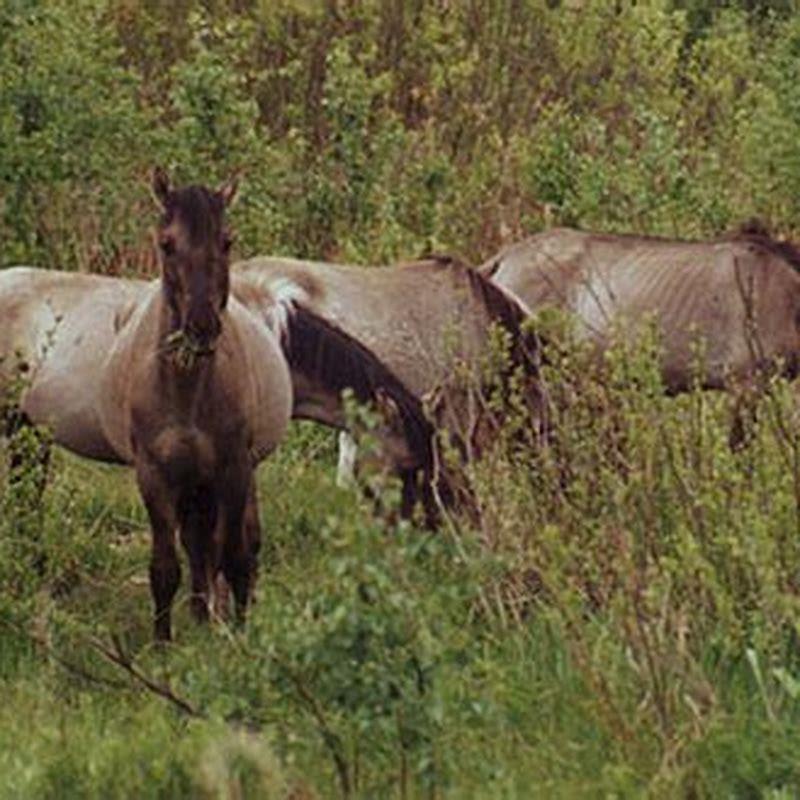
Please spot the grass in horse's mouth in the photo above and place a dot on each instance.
(185, 350)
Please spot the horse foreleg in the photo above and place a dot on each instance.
(346, 467)
(198, 513)
(165, 571)
(745, 415)
(409, 492)
(239, 553)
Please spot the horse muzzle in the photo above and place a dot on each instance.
(201, 332)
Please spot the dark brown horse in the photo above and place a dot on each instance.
(175, 378)
(739, 296)
(196, 394)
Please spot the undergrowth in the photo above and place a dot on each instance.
(622, 621)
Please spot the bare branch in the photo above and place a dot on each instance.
(117, 655)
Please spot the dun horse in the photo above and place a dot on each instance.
(175, 378)
(739, 295)
(428, 322)
(79, 339)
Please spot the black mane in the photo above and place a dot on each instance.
(500, 306)
(525, 344)
(323, 351)
(754, 231)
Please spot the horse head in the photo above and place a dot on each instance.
(194, 246)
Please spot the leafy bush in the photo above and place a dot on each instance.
(619, 615)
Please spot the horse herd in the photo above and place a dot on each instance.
(192, 379)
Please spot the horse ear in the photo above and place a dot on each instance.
(160, 186)
(228, 190)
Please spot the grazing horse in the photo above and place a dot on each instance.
(175, 378)
(324, 361)
(427, 321)
(739, 295)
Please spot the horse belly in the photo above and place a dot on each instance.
(73, 422)
(63, 394)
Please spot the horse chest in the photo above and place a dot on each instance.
(187, 434)
(182, 454)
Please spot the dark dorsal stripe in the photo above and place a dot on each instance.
(754, 231)
(324, 352)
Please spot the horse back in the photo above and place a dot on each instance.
(419, 319)
(737, 295)
(59, 325)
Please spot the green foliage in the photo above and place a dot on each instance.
(618, 614)
(377, 133)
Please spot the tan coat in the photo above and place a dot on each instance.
(739, 296)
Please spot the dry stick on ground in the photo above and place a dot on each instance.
(117, 655)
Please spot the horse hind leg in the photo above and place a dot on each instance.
(26, 453)
(252, 533)
(28, 468)
(252, 524)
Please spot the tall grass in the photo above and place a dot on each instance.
(622, 621)
(618, 614)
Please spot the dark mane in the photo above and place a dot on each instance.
(500, 306)
(525, 344)
(489, 269)
(442, 260)
(754, 231)
(321, 350)
(199, 209)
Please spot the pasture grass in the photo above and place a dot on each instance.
(622, 622)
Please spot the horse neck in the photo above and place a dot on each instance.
(315, 401)
(184, 385)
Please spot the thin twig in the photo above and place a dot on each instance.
(118, 656)
(328, 736)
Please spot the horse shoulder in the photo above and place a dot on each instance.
(545, 270)
(129, 367)
(260, 370)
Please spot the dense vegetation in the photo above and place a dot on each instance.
(623, 619)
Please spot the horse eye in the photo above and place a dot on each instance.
(167, 245)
